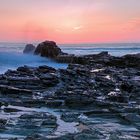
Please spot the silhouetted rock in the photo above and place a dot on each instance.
(29, 48)
(48, 49)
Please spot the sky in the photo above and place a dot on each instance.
(70, 21)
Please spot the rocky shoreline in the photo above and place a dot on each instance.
(96, 97)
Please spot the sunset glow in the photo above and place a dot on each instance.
(70, 21)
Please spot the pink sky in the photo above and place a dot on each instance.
(70, 21)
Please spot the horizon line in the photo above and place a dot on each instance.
(86, 43)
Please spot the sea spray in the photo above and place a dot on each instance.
(12, 60)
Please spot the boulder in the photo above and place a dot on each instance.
(29, 48)
(48, 49)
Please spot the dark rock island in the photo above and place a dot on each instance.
(96, 97)
(29, 48)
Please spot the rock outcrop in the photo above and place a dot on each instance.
(51, 50)
(29, 48)
(96, 98)
(90, 96)
(48, 49)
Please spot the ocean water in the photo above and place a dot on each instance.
(11, 55)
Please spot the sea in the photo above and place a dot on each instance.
(11, 54)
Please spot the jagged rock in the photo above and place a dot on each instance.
(97, 93)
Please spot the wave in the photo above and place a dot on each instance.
(112, 51)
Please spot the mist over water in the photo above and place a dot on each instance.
(11, 55)
(13, 60)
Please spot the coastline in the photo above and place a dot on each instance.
(98, 94)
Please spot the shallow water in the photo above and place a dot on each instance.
(12, 60)
(62, 129)
(105, 123)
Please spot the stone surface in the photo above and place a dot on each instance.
(29, 48)
(48, 49)
(96, 98)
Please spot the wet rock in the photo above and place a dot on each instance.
(29, 48)
(38, 120)
(133, 117)
(96, 111)
(65, 58)
(3, 121)
(36, 137)
(31, 78)
(13, 139)
(97, 92)
(106, 85)
(48, 49)
(11, 90)
(132, 61)
(33, 102)
(70, 117)
(114, 136)
(9, 110)
(26, 69)
(49, 79)
(46, 69)
(118, 97)
(85, 136)
(78, 101)
(89, 135)
(54, 103)
(65, 137)
(126, 87)
(70, 58)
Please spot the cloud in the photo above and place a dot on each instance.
(78, 27)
